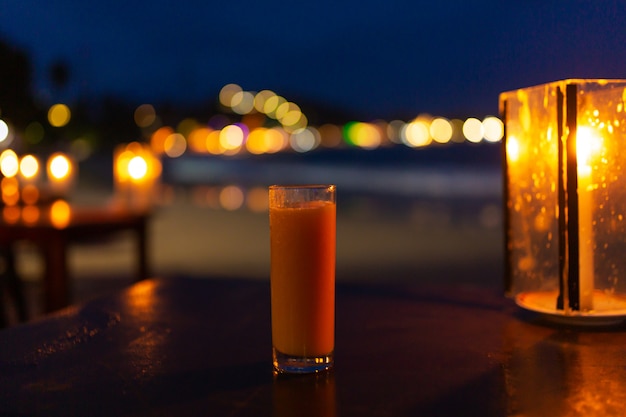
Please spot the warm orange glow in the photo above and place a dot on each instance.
(60, 213)
(198, 138)
(30, 214)
(416, 133)
(137, 168)
(157, 141)
(11, 214)
(473, 130)
(588, 144)
(175, 145)
(9, 163)
(59, 115)
(59, 167)
(441, 130)
(29, 167)
(10, 191)
(30, 194)
(512, 149)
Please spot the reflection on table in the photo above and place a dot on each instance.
(190, 347)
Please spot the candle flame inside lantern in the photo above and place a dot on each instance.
(512, 149)
(588, 145)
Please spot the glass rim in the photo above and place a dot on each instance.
(303, 186)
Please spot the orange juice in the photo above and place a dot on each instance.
(303, 278)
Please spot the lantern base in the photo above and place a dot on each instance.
(608, 309)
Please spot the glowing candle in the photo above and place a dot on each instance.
(587, 145)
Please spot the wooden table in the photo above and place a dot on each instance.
(53, 231)
(189, 347)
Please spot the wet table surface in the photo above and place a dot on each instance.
(189, 347)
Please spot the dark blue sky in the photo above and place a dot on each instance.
(380, 59)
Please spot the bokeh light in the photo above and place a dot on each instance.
(29, 167)
(441, 130)
(59, 115)
(175, 145)
(137, 167)
(416, 133)
(145, 115)
(9, 163)
(4, 130)
(59, 166)
(493, 129)
(473, 130)
(60, 214)
(231, 197)
(227, 93)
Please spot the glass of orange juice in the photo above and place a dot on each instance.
(302, 276)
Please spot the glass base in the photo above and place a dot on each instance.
(301, 364)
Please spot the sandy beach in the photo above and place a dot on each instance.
(422, 241)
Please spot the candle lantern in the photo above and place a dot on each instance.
(565, 199)
(136, 173)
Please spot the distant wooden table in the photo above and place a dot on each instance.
(52, 229)
(202, 347)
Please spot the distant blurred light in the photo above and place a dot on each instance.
(364, 135)
(256, 143)
(60, 214)
(4, 130)
(218, 121)
(9, 163)
(159, 136)
(277, 140)
(10, 191)
(231, 197)
(29, 167)
(330, 135)
(441, 130)
(260, 98)
(272, 104)
(59, 166)
(145, 115)
(227, 92)
(416, 133)
(34, 133)
(304, 140)
(243, 102)
(394, 131)
(30, 214)
(473, 130)
(494, 129)
(257, 199)
(212, 143)
(175, 145)
(59, 115)
(232, 137)
(11, 213)
(197, 139)
(137, 167)
(30, 194)
(186, 126)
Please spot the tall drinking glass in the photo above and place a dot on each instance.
(302, 244)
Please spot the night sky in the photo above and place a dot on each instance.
(378, 59)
